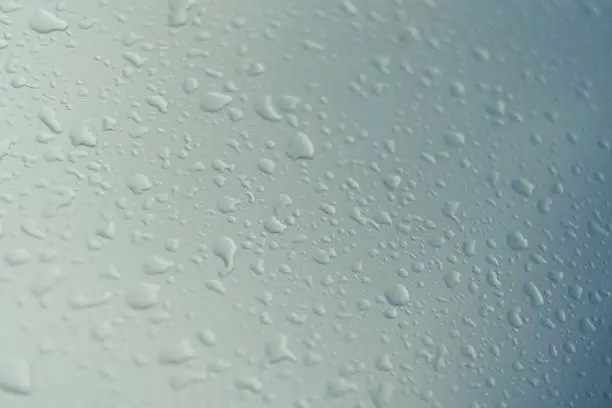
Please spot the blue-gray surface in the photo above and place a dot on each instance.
(305, 203)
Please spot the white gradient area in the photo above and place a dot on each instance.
(310, 314)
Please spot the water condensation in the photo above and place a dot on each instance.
(314, 203)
